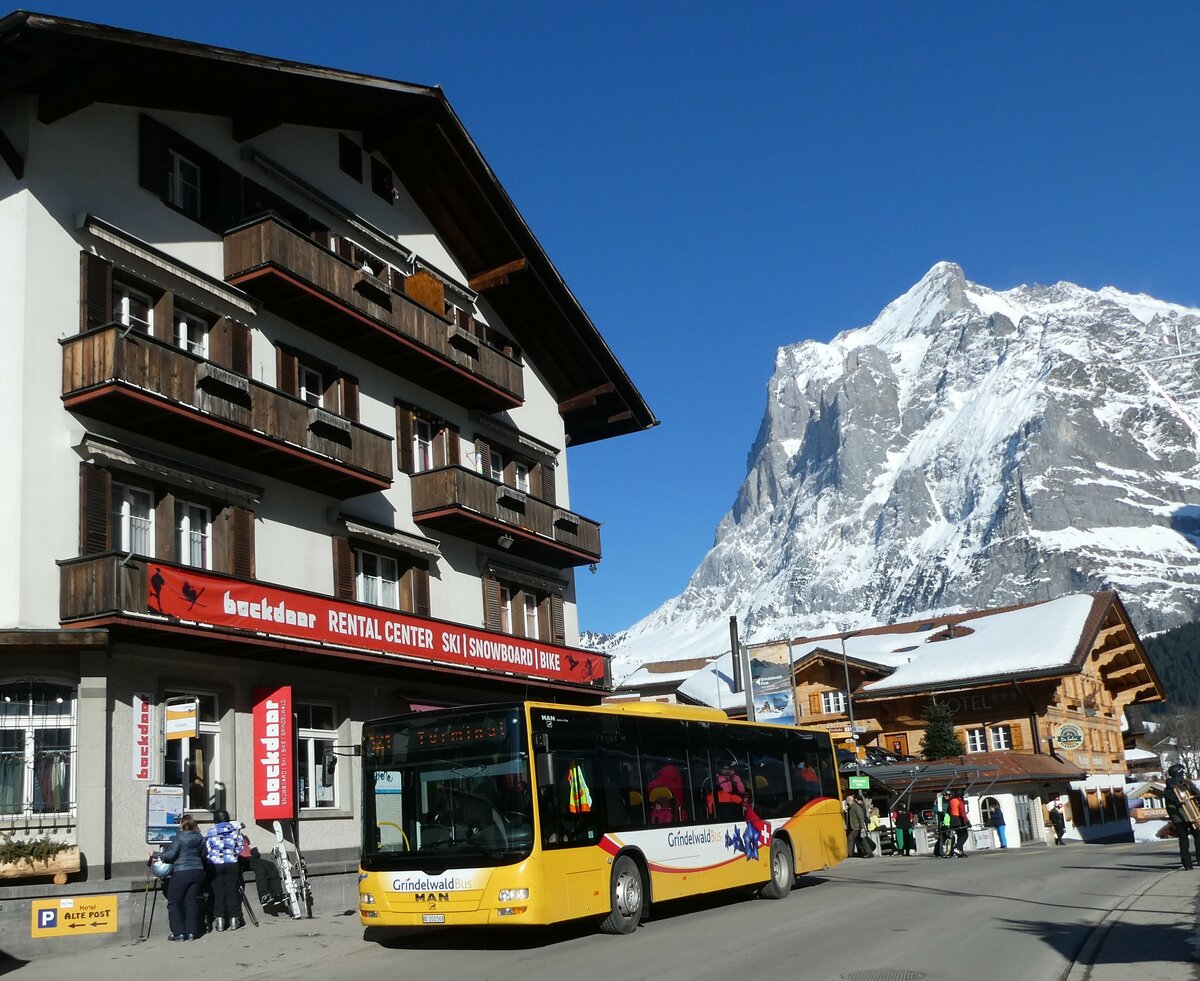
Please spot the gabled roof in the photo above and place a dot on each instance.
(946, 653)
(70, 64)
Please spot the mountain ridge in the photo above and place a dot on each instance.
(968, 448)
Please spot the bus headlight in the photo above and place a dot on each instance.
(509, 895)
(366, 899)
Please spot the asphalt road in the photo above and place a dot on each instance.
(1081, 912)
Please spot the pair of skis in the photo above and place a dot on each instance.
(295, 879)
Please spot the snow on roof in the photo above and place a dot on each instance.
(1132, 755)
(1021, 641)
(660, 673)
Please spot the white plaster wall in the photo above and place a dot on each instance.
(13, 206)
(88, 163)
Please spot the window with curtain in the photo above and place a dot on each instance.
(37, 747)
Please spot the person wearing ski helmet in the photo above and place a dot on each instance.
(1182, 807)
(222, 847)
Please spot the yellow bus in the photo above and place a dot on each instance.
(533, 813)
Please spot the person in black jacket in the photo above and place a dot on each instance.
(1180, 789)
(186, 853)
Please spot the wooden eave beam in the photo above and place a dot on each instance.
(1107, 632)
(586, 400)
(1118, 673)
(496, 277)
(9, 154)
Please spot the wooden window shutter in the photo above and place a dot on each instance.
(165, 535)
(239, 348)
(164, 317)
(241, 545)
(343, 569)
(445, 448)
(558, 627)
(420, 584)
(349, 399)
(288, 370)
(95, 510)
(814, 703)
(547, 491)
(1017, 739)
(427, 290)
(491, 603)
(404, 438)
(220, 343)
(95, 291)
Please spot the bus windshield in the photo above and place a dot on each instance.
(441, 789)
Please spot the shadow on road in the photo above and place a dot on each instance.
(8, 964)
(1124, 943)
(529, 938)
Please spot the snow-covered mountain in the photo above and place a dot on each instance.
(970, 448)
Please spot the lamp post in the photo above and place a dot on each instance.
(850, 705)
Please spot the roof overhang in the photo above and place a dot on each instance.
(70, 64)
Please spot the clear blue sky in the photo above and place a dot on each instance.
(717, 180)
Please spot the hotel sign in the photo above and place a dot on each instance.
(195, 596)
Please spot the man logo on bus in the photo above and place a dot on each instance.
(432, 897)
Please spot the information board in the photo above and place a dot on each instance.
(164, 808)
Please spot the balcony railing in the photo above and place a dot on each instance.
(360, 308)
(147, 385)
(472, 506)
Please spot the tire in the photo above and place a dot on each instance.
(783, 871)
(627, 895)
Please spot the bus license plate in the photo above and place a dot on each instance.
(433, 918)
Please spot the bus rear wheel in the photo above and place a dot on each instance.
(783, 872)
(628, 897)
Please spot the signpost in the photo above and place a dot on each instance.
(73, 916)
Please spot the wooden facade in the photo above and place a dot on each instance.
(1023, 712)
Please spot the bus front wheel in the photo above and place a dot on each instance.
(628, 897)
(783, 872)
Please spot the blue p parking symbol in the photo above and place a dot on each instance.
(47, 919)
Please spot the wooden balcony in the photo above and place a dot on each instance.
(320, 291)
(469, 505)
(158, 390)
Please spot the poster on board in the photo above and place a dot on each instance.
(164, 808)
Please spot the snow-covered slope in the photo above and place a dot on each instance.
(970, 448)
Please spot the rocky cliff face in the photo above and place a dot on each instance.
(970, 448)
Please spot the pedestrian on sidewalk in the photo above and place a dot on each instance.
(903, 821)
(998, 824)
(1182, 809)
(186, 855)
(857, 842)
(223, 847)
(1057, 820)
(959, 823)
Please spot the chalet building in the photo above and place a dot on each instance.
(1047, 679)
(288, 385)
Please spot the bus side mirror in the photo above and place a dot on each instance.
(544, 764)
(328, 766)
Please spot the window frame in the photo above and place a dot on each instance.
(308, 737)
(977, 739)
(422, 444)
(307, 371)
(833, 702)
(122, 292)
(177, 183)
(185, 323)
(28, 725)
(182, 530)
(122, 519)
(1000, 737)
(361, 577)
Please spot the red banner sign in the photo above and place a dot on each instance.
(274, 766)
(200, 597)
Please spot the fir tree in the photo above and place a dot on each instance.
(941, 741)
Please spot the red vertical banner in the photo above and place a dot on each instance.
(274, 765)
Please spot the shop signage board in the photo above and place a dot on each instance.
(73, 916)
(1069, 735)
(143, 735)
(181, 718)
(274, 740)
(194, 596)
